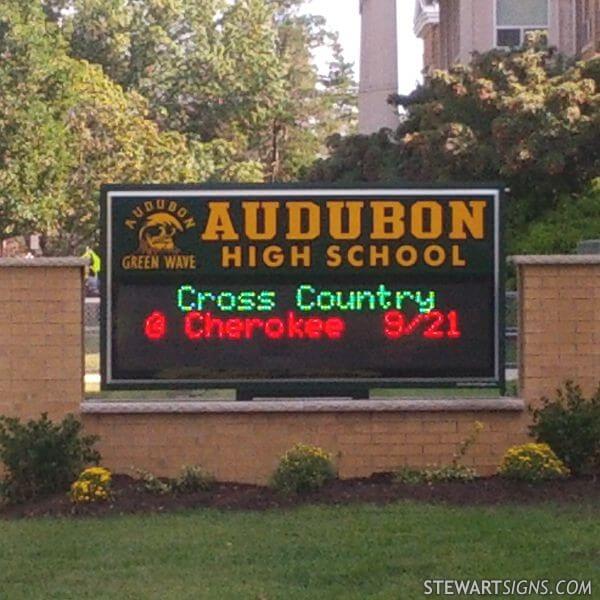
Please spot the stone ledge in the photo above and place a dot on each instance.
(556, 259)
(66, 261)
(283, 405)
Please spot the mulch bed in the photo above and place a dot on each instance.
(378, 489)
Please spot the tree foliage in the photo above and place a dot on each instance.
(98, 91)
(66, 129)
(239, 71)
(575, 218)
(528, 118)
(34, 161)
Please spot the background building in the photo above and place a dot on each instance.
(453, 29)
(587, 30)
(427, 27)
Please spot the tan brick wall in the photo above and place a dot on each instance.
(41, 369)
(41, 340)
(559, 327)
(246, 447)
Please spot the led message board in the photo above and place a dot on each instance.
(255, 286)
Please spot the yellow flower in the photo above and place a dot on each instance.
(93, 484)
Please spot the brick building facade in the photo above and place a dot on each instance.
(587, 27)
(452, 29)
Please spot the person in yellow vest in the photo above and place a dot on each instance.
(92, 273)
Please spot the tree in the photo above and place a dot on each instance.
(100, 91)
(524, 117)
(237, 71)
(527, 117)
(314, 106)
(34, 162)
(66, 128)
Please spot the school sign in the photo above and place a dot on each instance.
(281, 286)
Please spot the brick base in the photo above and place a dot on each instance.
(246, 447)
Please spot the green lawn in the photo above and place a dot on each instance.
(199, 395)
(309, 553)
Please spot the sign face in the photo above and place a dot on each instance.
(255, 285)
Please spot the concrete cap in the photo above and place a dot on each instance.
(101, 407)
(557, 259)
(44, 261)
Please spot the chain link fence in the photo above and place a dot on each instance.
(91, 314)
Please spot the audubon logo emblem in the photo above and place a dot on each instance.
(159, 223)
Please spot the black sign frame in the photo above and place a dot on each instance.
(301, 386)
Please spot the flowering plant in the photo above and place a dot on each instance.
(92, 485)
(303, 469)
(532, 462)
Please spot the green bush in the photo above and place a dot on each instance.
(410, 475)
(532, 462)
(193, 479)
(570, 425)
(303, 469)
(560, 229)
(434, 474)
(41, 457)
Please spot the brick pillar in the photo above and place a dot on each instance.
(41, 336)
(559, 327)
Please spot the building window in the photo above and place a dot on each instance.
(515, 18)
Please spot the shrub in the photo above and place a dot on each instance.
(532, 462)
(410, 476)
(455, 471)
(303, 469)
(434, 474)
(193, 479)
(42, 457)
(152, 484)
(559, 230)
(570, 424)
(92, 485)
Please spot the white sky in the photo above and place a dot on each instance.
(343, 16)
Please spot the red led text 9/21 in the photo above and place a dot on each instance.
(434, 325)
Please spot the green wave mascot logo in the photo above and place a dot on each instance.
(157, 234)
